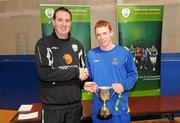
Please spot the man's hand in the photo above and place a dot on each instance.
(118, 87)
(83, 73)
(90, 86)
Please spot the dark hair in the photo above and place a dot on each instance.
(62, 9)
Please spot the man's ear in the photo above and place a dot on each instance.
(53, 22)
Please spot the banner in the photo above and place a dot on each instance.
(80, 28)
(139, 29)
(80, 18)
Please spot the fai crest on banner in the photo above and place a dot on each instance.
(49, 12)
(125, 12)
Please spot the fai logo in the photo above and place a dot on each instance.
(49, 12)
(74, 47)
(125, 12)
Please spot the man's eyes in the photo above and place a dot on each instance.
(61, 20)
(68, 20)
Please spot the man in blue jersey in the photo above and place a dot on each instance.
(113, 66)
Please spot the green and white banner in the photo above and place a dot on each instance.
(80, 27)
(139, 29)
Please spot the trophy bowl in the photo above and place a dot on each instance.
(104, 94)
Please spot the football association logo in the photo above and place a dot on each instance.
(74, 47)
(49, 12)
(125, 12)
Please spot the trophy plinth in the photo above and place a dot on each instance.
(104, 113)
(104, 95)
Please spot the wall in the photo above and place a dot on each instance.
(171, 28)
(18, 81)
(21, 17)
(18, 17)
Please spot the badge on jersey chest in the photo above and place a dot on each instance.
(74, 47)
(115, 61)
(68, 58)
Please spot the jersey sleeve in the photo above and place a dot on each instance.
(131, 73)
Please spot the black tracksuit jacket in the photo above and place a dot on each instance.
(58, 62)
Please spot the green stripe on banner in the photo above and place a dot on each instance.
(131, 13)
(79, 13)
(145, 93)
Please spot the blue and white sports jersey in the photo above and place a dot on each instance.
(108, 67)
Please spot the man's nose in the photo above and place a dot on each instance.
(63, 22)
(101, 37)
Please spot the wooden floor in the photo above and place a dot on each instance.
(165, 120)
(6, 115)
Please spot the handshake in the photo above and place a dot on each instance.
(83, 74)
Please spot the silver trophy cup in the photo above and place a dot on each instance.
(104, 94)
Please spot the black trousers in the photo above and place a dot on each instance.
(69, 115)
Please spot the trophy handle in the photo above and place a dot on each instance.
(112, 94)
(96, 92)
(109, 97)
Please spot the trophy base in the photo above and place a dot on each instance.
(105, 117)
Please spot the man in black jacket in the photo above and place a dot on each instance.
(61, 68)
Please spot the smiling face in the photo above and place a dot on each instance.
(104, 37)
(62, 24)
